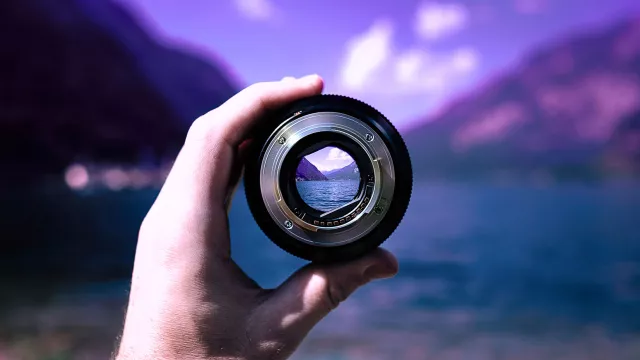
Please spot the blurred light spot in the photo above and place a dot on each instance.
(115, 179)
(76, 177)
(139, 179)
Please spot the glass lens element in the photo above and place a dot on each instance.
(327, 179)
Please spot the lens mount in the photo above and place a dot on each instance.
(306, 126)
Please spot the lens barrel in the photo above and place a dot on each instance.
(291, 198)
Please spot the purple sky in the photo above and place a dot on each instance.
(404, 57)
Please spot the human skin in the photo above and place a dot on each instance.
(189, 300)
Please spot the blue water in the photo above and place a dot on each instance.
(482, 268)
(561, 251)
(327, 195)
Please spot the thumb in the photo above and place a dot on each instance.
(310, 294)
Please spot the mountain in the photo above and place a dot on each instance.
(623, 149)
(349, 172)
(563, 112)
(84, 82)
(191, 84)
(306, 171)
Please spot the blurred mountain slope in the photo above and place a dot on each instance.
(82, 81)
(191, 84)
(560, 112)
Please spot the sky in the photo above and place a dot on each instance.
(406, 58)
(329, 158)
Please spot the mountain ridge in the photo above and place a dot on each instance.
(193, 87)
(306, 171)
(90, 93)
(74, 90)
(557, 112)
(349, 172)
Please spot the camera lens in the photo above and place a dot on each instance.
(328, 178)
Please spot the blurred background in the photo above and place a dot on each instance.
(522, 240)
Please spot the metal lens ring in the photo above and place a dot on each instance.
(355, 227)
(378, 183)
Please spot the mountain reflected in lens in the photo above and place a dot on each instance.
(327, 179)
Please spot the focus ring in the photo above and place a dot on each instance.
(283, 234)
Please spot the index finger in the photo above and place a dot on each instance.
(232, 121)
(202, 171)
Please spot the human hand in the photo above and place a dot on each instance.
(189, 299)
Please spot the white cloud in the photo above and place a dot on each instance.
(432, 73)
(464, 60)
(256, 9)
(435, 20)
(336, 154)
(408, 65)
(366, 53)
(415, 71)
(375, 66)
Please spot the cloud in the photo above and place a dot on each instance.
(336, 154)
(376, 65)
(435, 20)
(464, 60)
(420, 71)
(408, 65)
(413, 71)
(256, 9)
(366, 53)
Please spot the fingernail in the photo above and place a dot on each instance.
(385, 268)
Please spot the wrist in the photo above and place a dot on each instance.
(167, 347)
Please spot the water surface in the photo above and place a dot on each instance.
(327, 195)
(486, 272)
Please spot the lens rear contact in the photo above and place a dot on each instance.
(328, 178)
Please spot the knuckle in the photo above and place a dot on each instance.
(335, 294)
(254, 91)
(338, 291)
(200, 127)
(205, 128)
(146, 227)
(258, 88)
(258, 93)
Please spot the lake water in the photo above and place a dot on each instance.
(327, 195)
(486, 272)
